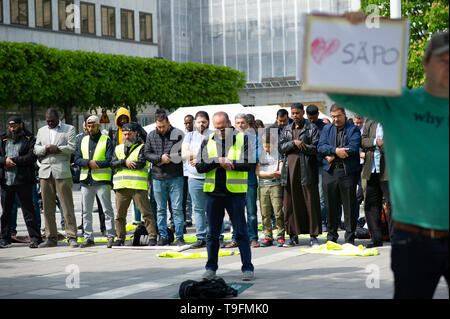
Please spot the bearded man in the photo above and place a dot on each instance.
(17, 176)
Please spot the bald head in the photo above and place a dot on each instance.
(221, 122)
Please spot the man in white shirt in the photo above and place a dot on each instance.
(190, 148)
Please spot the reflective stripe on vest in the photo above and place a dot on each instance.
(236, 182)
(100, 174)
(130, 178)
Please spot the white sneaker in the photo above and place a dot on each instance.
(248, 275)
(209, 274)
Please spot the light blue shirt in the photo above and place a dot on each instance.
(377, 153)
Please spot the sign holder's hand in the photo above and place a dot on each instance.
(356, 17)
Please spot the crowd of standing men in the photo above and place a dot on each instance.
(289, 165)
(304, 168)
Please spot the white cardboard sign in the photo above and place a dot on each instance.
(338, 57)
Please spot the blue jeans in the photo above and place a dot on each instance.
(164, 189)
(198, 200)
(418, 262)
(323, 207)
(252, 218)
(215, 212)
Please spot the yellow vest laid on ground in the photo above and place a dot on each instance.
(236, 181)
(130, 178)
(100, 174)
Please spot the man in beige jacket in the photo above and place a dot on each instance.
(55, 143)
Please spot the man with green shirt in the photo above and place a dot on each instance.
(416, 132)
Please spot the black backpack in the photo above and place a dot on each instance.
(206, 289)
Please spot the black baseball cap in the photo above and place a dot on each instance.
(14, 120)
(130, 127)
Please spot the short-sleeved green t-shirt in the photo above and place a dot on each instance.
(416, 144)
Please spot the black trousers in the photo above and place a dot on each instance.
(25, 196)
(340, 188)
(376, 190)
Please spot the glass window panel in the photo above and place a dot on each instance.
(66, 15)
(91, 14)
(145, 27)
(241, 30)
(19, 12)
(87, 15)
(127, 24)
(206, 32)
(230, 33)
(108, 22)
(48, 14)
(39, 15)
(218, 32)
(195, 52)
(1, 11)
(43, 13)
(112, 22)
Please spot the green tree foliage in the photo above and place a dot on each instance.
(88, 80)
(426, 18)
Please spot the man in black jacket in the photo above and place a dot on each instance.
(223, 157)
(163, 150)
(298, 144)
(17, 176)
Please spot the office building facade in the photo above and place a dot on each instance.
(258, 37)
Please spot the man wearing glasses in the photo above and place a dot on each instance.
(339, 145)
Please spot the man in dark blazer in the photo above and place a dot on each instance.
(339, 145)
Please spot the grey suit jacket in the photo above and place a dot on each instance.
(56, 164)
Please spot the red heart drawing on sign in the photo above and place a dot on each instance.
(320, 49)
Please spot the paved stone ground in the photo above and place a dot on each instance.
(98, 272)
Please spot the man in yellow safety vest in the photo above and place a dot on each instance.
(131, 183)
(223, 157)
(93, 155)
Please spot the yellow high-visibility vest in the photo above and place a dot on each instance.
(236, 181)
(100, 174)
(130, 178)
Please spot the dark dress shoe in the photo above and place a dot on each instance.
(87, 243)
(48, 243)
(374, 244)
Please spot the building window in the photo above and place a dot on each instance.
(87, 12)
(19, 12)
(43, 10)
(1, 11)
(108, 22)
(66, 15)
(146, 28)
(127, 24)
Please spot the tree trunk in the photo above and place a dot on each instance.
(133, 114)
(68, 113)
